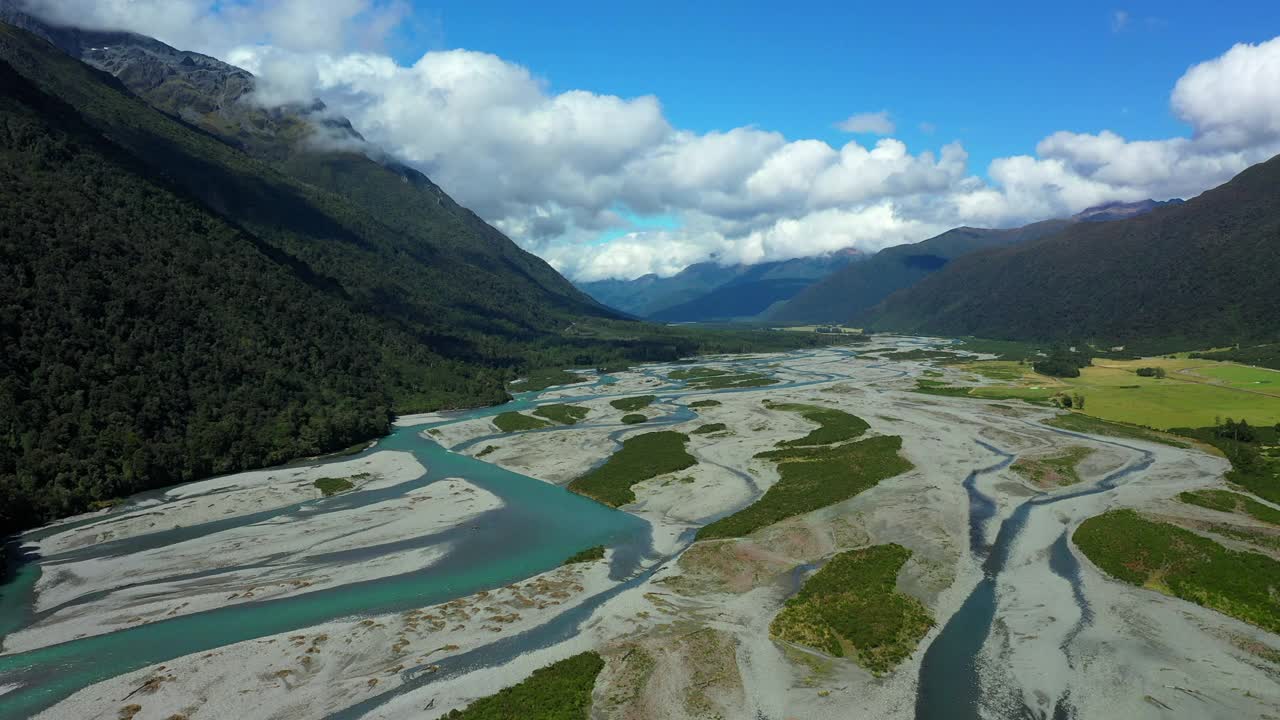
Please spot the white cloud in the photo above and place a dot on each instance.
(1119, 20)
(1233, 101)
(554, 169)
(215, 26)
(872, 123)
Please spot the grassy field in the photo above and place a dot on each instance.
(560, 691)
(633, 419)
(1242, 377)
(851, 608)
(1030, 394)
(641, 457)
(833, 425)
(813, 478)
(563, 414)
(516, 422)
(709, 428)
(1053, 470)
(1231, 502)
(1193, 394)
(1181, 563)
(631, 404)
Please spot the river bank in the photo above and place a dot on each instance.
(683, 626)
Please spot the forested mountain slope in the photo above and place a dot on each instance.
(757, 288)
(176, 302)
(147, 340)
(845, 294)
(1203, 272)
(648, 294)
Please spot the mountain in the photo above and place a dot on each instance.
(708, 291)
(649, 293)
(192, 284)
(1121, 210)
(1201, 273)
(756, 288)
(843, 295)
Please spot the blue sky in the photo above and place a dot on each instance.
(998, 77)
(618, 139)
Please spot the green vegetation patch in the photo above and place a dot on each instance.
(1002, 349)
(332, 486)
(1246, 378)
(813, 478)
(560, 691)
(851, 608)
(632, 404)
(589, 555)
(517, 422)
(704, 403)
(697, 373)
(833, 425)
(919, 354)
(938, 387)
(704, 378)
(1039, 395)
(563, 414)
(1254, 536)
(1000, 370)
(709, 428)
(1178, 562)
(1227, 501)
(633, 419)
(1252, 467)
(641, 457)
(1081, 423)
(547, 377)
(1053, 470)
(1264, 355)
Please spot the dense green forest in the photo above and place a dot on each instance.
(1194, 275)
(1063, 362)
(560, 691)
(175, 304)
(1261, 355)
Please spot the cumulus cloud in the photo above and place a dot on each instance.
(872, 123)
(1233, 101)
(215, 26)
(556, 169)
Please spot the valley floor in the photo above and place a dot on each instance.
(683, 626)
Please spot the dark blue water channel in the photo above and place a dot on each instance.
(949, 685)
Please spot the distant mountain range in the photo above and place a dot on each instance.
(846, 294)
(1202, 272)
(709, 291)
(827, 289)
